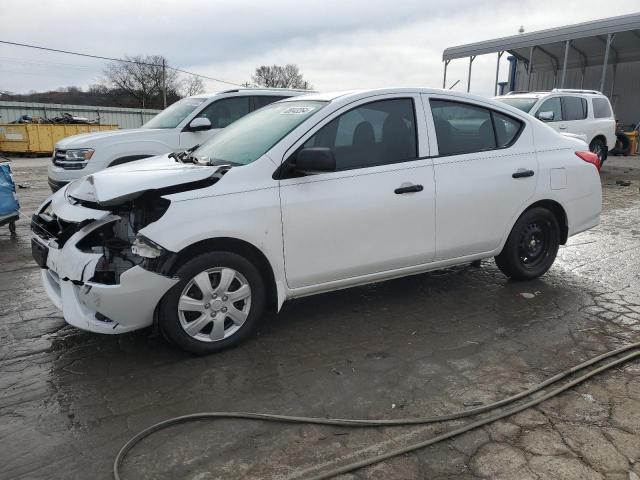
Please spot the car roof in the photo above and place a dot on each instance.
(250, 90)
(556, 91)
(355, 94)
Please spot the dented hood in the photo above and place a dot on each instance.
(128, 181)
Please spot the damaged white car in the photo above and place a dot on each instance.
(308, 195)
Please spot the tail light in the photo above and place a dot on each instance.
(590, 157)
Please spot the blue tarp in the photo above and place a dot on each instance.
(8, 198)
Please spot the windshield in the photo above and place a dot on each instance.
(524, 104)
(172, 116)
(247, 139)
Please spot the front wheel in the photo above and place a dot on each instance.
(532, 245)
(216, 304)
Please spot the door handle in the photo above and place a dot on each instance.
(562, 127)
(409, 189)
(522, 173)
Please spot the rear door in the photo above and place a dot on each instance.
(485, 171)
(221, 113)
(376, 212)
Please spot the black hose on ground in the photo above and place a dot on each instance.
(400, 422)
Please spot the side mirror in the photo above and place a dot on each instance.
(315, 160)
(200, 123)
(545, 116)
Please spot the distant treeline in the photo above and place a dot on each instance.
(98, 95)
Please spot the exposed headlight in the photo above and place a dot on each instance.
(146, 248)
(79, 154)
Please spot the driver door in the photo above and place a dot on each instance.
(553, 105)
(376, 212)
(220, 113)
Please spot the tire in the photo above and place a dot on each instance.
(598, 147)
(207, 320)
(532, 245)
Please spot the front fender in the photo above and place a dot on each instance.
(250, 216)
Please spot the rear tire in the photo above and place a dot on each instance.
(598, 147)
(532, 245)
(217, 303)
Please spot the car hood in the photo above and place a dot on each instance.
(91, 140)
(129, 181)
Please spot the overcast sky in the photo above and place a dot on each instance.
(337, 44)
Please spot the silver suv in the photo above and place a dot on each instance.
(586, 113)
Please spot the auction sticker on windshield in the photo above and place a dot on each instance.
(297, 110)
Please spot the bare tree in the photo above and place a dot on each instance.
(287, 76)
(191, 85)
(142, 77)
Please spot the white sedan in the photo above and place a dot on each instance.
(308, 195)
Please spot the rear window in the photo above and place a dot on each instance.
(601, 108)
(507, 129)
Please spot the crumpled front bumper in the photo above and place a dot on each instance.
(108, 308)
(96, 307)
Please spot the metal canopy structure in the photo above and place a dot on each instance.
(599, 43)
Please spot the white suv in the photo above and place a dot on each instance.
(308, 195)
(586, 113)
(186, 123)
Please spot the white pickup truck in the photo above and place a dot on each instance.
(184, 124)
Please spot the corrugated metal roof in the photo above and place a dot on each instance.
(629, 46)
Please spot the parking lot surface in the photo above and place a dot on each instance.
(417, 346)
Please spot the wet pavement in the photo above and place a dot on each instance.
(417, 346)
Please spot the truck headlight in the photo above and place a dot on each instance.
(146, 248)
(79, 154)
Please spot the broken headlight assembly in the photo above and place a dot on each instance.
(144, 247)
(120, 243)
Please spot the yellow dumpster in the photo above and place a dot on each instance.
(633, 140)
(40, 137)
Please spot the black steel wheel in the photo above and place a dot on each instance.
(599, 148)
(532, 245)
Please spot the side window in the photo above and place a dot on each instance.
(222, 113)
(507, 129)
(601, 108)
(575, 108)
(552, 105)
(462, 128)
(263, 100)
(377, 133)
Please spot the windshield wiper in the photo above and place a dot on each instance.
(218, 162)
(185, 155)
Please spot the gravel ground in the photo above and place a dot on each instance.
(422, 345)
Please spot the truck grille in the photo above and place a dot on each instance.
(60, 159)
